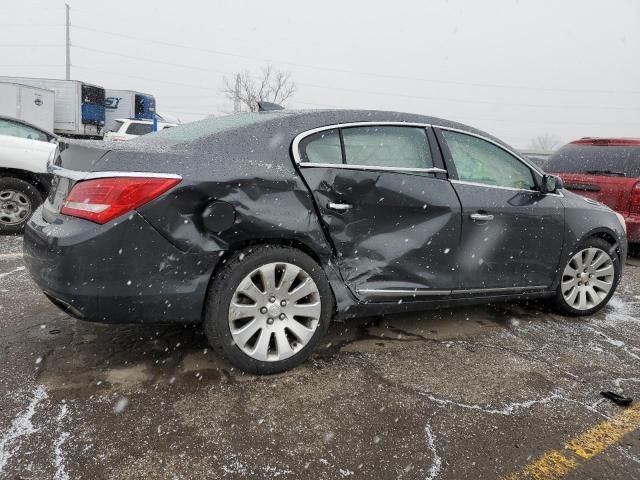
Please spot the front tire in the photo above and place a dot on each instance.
(588, 279)
(18, 200)
(268, 308)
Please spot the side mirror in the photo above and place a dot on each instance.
(551, 184)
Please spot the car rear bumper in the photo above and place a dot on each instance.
(120, 272)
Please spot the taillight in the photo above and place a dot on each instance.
(103, 199)
(634, 205)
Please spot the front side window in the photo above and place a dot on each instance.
(15, 129)
(479, 161)
(139, 128)
(387, 146)
(321, 147)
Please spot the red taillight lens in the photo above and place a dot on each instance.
(634, 204)
(104, 199)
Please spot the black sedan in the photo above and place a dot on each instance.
(266, 226)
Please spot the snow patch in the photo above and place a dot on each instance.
(60, 459)
(20, 427)
(436, 460)
(11, 272)
(507, 409)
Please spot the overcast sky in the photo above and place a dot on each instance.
(517, 69)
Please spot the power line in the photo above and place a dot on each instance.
(30, 45)
(367, 92)
(353, 72)
(160, 62)
(31, 25)
(145, 78)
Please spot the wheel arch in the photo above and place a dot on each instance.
(39, 181)
(608, 236)
(341, 295)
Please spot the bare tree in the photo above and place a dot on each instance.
(544, 143)
(246, 90)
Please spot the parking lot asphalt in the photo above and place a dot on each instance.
(503, 391)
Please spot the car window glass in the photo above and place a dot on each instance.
(479, 161)
(321, 147)
(15, 129)
(7, 128)
(139, 128)
(117, 125)
(387, 146)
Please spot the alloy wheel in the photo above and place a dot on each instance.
(15, 207)
(274, 311)
(588, 278)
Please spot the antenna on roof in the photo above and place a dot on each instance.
(268, 106)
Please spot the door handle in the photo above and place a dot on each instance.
(481, 217)
(339, 207)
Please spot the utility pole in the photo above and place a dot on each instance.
(68, 44)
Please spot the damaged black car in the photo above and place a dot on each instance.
(266, 226)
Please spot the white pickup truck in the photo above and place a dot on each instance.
(24, 183)
(125, 129)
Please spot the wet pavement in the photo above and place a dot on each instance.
(485, 392)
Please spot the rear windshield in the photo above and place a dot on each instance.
(195, 130)
(589, 158)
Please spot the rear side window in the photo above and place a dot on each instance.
(573, 158)
(479, 161)
(387, 146)
(139, 128)
(321, 147)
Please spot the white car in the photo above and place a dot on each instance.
(24, 183)
(126, 129)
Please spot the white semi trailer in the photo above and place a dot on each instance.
(27, 103)
(127, 104)
(78, 106)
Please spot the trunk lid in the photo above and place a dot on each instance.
(71, 163)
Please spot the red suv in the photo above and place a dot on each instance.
(606, 170)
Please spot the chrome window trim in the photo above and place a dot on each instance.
(394, 293)
(80, 175)
(372, 168)
(295, 148)
(486, 185)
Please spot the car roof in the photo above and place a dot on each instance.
(298, 121)
(607, 141)
(28, 124)
(137, 120)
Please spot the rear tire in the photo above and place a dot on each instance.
(253, 316)
(589, 278)
(18, 201)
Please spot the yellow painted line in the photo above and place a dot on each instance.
(556, 464)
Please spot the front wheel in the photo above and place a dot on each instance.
(268, 308)
(589, 279)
